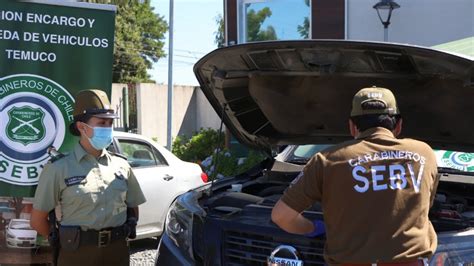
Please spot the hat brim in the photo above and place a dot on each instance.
(106, 115)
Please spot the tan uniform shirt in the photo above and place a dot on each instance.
(375, 192)
(93, 193)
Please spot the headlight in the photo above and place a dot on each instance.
(455, 249)
(179, 220)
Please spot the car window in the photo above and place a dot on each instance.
(112, 148)
(307, 151)
(302, 153)
(140, 154)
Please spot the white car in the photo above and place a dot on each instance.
(162, 177)
(19, 234)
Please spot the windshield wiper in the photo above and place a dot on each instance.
(447, 170)
(298, 160)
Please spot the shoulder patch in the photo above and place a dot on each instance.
(57, 157)
(119, 175)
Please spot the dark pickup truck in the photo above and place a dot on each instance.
(299, 93)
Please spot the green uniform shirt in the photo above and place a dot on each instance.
(93, 193)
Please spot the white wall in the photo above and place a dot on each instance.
(206, 117)
(151, 111)
(191, 110)
(420, 22)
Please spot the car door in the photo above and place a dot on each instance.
(156, 181)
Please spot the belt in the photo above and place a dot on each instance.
(103, 237)
(420, 262)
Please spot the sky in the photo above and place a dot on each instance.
(286, 16)
(194, 27)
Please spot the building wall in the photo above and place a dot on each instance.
(420, 22)
(191, 110)
(151, 111)
(206, 117)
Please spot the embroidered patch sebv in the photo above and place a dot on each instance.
(74, 180)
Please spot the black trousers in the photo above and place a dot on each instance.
(116, 253)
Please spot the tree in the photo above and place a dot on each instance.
(219, 33)
(254, 24)
(303, 29)
(17, 202)
(139, 35)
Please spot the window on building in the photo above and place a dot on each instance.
(263, 20)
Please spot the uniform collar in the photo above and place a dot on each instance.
(381, 131)
(80, 153)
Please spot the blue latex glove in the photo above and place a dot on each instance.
(319, 229)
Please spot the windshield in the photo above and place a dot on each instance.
(447, 160)
(25, 225)
(300, 154)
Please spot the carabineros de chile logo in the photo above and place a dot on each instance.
(25, 125)
(34, 114)
(459, 160)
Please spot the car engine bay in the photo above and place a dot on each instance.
(453, 205)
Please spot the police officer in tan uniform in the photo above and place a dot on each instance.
(93, 189)
(375, 191)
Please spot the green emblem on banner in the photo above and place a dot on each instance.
(459, 160)
(25, 125)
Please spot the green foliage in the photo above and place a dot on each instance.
(226, 165)
(219, 33)
(303, 29)
(139, 35)
(229, 165)
(201, 147)
(254, 24)
(198, 147)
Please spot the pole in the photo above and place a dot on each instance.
(170, 79)
(385, 33)
(126, 110)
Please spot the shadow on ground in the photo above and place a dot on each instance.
(144, 244)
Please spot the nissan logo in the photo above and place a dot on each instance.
(274, 260)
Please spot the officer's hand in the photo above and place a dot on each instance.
(319, 229)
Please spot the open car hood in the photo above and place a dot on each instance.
(300, 92)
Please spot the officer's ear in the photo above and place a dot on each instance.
(81, 127)
(353, 129)
(398, 128)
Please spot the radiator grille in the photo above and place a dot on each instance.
(243, 248)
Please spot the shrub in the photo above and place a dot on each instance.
(198, 147)
(229, 164)
(201, 148)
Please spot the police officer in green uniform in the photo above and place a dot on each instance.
(93, 189)
(375, 191)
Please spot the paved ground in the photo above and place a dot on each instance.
(143, 252)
